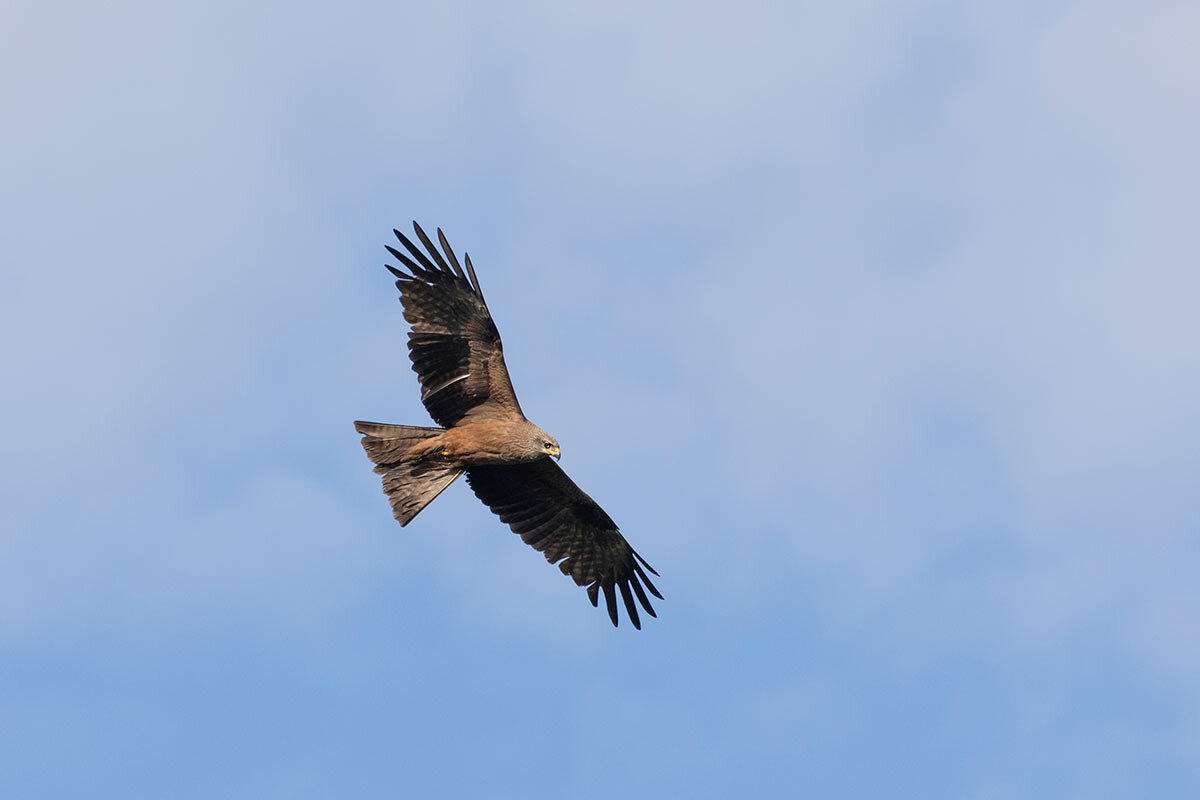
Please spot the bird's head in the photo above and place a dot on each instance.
(543, 444)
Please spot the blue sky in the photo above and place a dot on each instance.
(872, 324)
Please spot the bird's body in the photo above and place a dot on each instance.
(474, 444)
(459, 360)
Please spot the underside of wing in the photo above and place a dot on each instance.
(554, 516)
(454, 345)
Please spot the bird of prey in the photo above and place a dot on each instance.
(456, 353)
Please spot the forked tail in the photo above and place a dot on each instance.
(409, 485)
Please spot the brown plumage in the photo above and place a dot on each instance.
(456, 353)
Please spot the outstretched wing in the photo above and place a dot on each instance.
(553, 515)
(454, 345)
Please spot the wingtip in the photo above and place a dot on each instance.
(645, 563)
(641, 594)
(650, 585)
(449, 251)
(610, 600)
(630, 606)
(442, 266)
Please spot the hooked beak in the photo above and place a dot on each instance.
(554, 452)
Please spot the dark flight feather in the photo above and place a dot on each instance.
(474, 280)
(450, 254)
(433, 251)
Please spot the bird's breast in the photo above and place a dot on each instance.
(481, 443)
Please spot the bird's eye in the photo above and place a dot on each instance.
(548, 445)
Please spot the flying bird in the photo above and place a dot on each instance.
(456, 353)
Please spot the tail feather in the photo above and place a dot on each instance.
(409, 485)
(412, 486)
(386, 431)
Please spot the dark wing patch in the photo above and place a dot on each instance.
(454, 345)
(554, 516)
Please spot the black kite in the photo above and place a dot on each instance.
(456, 353)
